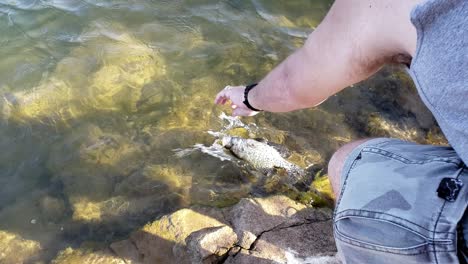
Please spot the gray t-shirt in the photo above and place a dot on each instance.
(440, 66)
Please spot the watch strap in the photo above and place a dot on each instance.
(246, 97)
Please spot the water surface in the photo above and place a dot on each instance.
(97, 96)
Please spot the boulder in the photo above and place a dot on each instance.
(210, 245)
(257, 230)
(279, 230)
(285, 245)
(251, 217)
(163, 241)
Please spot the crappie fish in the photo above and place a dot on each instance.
(262, 156)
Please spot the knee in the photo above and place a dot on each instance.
(336, 164)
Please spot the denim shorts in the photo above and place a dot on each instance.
(402, 202)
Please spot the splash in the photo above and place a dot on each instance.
(216, 149)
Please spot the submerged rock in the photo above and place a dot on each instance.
(15, 249)
(127, 250)
(52, 209)
(105, 73)
(210, 245)
(91, 159)
(82, 256)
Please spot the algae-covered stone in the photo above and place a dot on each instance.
(177, 226)
(323, 185)
(189, 114)
(27, 220)
(53, 209)
(219, 197)
(119, 209)
(83, 256)
(163, 241)
(90, 160)
(104, 74)
(84, 210)
(379, 125)
(15, 249)
(170, 176)
(126, 68)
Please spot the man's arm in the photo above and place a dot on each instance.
(354, 41)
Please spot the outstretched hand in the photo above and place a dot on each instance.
(235, 96)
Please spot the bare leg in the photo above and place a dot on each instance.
(335, 166)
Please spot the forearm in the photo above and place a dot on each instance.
(321, 68)
(298, 82)
(347, 47)
(354, 40)
(278, 91)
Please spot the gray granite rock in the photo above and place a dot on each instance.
(210, 245)
(252, 217)
(257, 230)
(163, 241)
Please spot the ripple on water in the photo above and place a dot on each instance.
(96, 95)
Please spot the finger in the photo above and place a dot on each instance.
(221, 98)
(218, 98)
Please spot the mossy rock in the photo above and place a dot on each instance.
(15, 249)
(322, 184)
(84, 256)
(179, 225)
(163, 241)
(100, 75)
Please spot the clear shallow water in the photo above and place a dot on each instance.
(97, 95)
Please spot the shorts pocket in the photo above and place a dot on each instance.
(380, 234)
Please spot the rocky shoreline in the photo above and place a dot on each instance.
(275, 229)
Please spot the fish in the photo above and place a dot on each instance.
(262, 157)
(265, 157)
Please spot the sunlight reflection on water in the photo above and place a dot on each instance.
(96, 95)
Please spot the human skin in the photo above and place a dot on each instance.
(355, 39)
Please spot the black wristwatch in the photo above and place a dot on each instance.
(246, 97)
